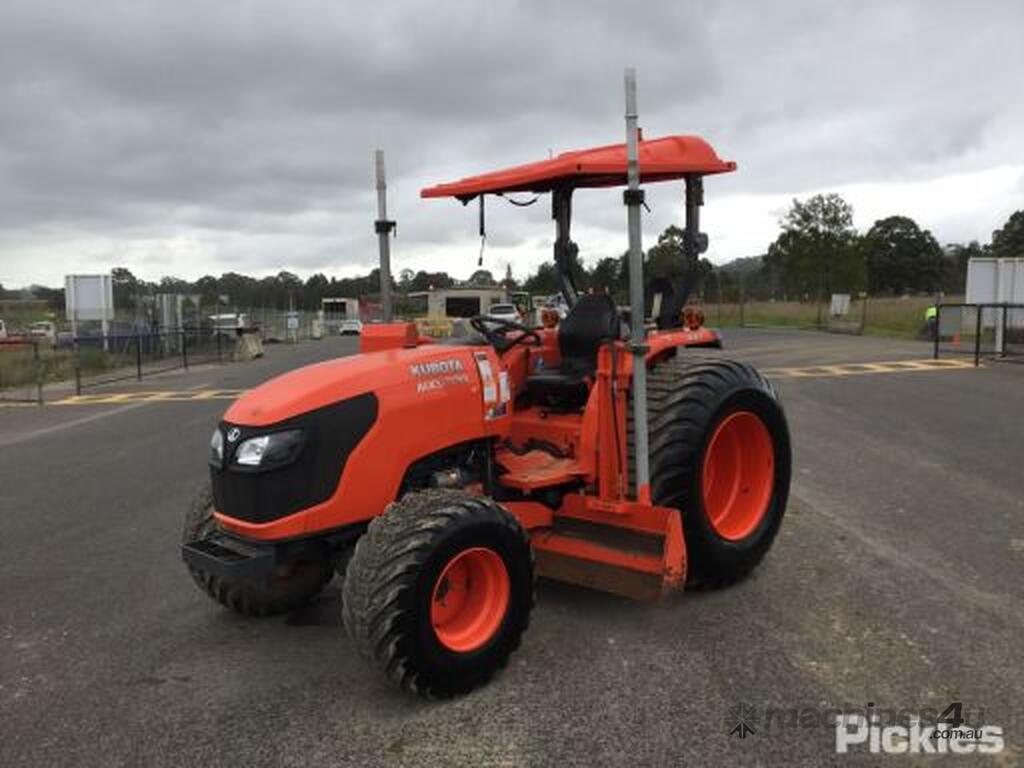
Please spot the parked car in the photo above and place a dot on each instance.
(350, 327)
(504, 312)
(43, 331)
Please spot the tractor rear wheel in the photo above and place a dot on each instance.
(439, 591)
(720, 453)
(296, 584)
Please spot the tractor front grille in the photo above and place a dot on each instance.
(331, 433)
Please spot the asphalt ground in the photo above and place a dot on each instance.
(897, 580)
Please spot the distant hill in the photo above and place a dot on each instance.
(742, 265)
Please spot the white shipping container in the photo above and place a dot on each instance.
(997, 281)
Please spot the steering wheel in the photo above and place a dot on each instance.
(496, 331)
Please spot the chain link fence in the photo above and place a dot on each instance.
(282, 326)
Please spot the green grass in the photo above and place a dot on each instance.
(18, 366)
(893, 317)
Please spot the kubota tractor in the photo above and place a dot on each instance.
(440, 477)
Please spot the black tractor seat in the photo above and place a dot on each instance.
(591, 322)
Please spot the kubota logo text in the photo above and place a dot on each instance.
(435, 367)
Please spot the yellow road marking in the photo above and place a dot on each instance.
(839, 370)
(863, 369)
(162, 396)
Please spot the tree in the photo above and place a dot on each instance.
(208, 287)
(125, 287)
(241, 290)
(405, 279)
(425, 281)
(704, 270)
(482, 277)
(54, 297)
(957, 258)
(816, 253)
(171, 284)
(317, 286)
(666, 258)
(901, 257)
(604, 277)
(1008, 240)
(543, 281)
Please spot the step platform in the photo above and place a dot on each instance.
(536, 469)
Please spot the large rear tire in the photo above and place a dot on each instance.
(439, 591)
(720, 453)
(294, 584)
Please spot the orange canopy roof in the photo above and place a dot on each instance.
(664, 159)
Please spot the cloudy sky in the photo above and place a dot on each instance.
(193, 138)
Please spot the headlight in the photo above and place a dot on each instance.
(217, 448)
(275, 449)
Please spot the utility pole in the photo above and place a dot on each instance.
(383, 226)
(633, 197)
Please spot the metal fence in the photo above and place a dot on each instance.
(29, 367)
(882, 315)
(993, 331)
(102, 360)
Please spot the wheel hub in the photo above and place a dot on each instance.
(738, 475)
(470, 599)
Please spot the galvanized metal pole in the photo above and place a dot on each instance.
(634, 199)
(383, 227)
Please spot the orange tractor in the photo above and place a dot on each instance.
(439, 478)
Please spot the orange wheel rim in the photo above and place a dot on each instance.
(470, 599)
(738, 475)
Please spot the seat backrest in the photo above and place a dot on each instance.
(593, 320)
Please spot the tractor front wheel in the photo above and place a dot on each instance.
(439, 591)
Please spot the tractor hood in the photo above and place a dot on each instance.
(322, 384)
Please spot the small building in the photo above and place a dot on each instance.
(460, 301)
(336, 309)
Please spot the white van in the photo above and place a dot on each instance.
(228, 324)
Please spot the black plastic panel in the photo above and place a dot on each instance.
(261, 496)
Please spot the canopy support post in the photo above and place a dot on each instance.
(634, 198)
(565, 248)
(383, 227)
(694, 244)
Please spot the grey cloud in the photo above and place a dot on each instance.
(128, 121)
